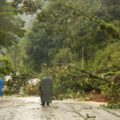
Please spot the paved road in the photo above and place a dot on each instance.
(29, 108)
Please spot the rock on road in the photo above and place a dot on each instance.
(29, 108)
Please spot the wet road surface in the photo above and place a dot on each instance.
(29, 108)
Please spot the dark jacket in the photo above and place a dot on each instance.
(46, 89)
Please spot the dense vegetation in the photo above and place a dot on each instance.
(76, 42)
(10, 33)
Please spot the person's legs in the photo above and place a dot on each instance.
(47, 103)
(43, 103)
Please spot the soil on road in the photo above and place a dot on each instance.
(29, 108)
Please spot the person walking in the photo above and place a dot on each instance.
(1, 85)
(46, 91)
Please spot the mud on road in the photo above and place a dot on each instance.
(29, 108)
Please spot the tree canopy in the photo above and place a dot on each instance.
(10, 25)
(70, 25)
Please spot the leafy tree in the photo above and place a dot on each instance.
(10, 25)
(108, 56)
(61, 25)
(64, 56)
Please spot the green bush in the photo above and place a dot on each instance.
(32, 89)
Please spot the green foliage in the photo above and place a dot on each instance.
(68, 81)
(114, 93)
(10, 25)
(5, 65)
(70, 25)
(19, 81)
(108, 56)
(29, 6)
(32, 89)
(64, 56)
